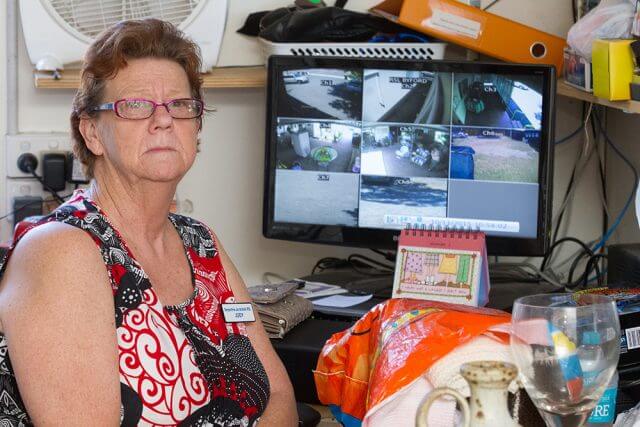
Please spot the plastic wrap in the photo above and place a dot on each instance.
(609, 20)
(630, 418)
(391, 346)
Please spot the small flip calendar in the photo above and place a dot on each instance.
(448, 266)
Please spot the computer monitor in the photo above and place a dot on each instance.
(357, 149)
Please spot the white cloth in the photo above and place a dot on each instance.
(399, 410)
(446, 371)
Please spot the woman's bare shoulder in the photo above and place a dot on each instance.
(55, 245)
(55, 260)
(57, 314)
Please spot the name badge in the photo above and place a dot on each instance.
(238, 312)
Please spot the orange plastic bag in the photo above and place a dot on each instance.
(390, 347)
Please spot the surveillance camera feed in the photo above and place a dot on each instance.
(385, 148)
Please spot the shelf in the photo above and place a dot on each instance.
(255, 77)
(564, 89)
(218, 78)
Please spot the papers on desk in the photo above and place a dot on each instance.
(341, 301)
(318, 289)
(324, 295)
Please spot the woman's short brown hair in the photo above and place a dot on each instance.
(147, 38)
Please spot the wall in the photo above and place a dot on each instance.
(3, 80)
(3, 106)
(623, 130)
(225, 184)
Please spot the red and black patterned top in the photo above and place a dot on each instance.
(179, 365)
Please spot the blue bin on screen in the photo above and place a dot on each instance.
(462, 162)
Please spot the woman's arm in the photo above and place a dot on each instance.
(56, 310)
(281, 409)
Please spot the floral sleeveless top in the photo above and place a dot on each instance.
(179, 365)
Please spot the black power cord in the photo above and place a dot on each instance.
(7, 215)
(585, 250)
(555, 244)
(591, 265)
(567, 192)
(634, 171)
(359, 263)
(54, 193)
(572, 179)
(571, 135)
(357, 260)
(602, 170)
(490, 5)
(27, 163)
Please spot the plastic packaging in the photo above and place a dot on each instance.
(611, 19)
(390, 347)
(630, 418)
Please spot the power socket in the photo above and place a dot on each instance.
(20, 187)
(25, 207)
(37, 144)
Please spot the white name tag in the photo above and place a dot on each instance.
(238, 312)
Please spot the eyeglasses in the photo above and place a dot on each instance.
(140, 109)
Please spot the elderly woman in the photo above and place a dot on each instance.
(110, 307)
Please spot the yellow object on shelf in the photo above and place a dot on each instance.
(612, 66)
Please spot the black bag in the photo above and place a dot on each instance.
(323, 24)
(327, 24)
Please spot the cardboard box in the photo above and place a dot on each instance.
(577, 71)
(475, 29)
(612, 64)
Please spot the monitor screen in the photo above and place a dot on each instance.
(358, 149)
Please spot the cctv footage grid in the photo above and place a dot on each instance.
(383, 148)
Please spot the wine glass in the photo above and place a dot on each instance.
(566, 347)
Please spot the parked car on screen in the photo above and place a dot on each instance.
(295, 77)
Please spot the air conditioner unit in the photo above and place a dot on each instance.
(57, 32)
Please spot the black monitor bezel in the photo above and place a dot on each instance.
(387, 239)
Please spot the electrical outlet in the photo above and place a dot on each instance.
(21, 187)
(37, 144)
(17, 188)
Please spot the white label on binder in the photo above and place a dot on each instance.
(238, 312)
(449, 22)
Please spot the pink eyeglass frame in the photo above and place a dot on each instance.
(113, 106)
